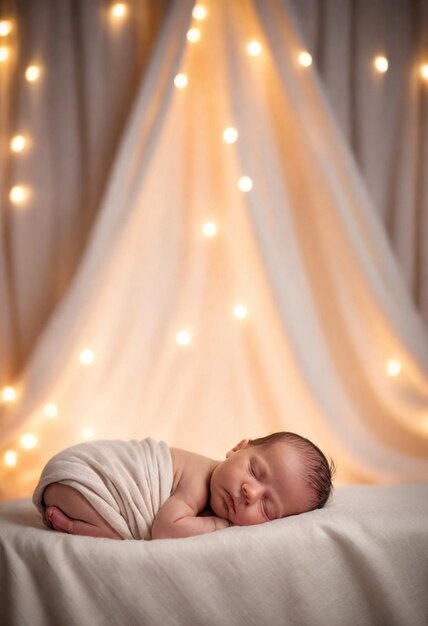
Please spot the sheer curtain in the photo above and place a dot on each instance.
(293, 314)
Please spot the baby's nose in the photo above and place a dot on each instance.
(251, 492)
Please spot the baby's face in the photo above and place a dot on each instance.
(258, 484)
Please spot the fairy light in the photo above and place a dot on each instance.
(245, 183)
(193, 35)
(305, 58)
(199, 12)
(424, 71)
(29, 441)
(393, 367)
(230, 135)
(119, 9)
(86, 357)
(32, 73)
(240, 311)
(180, 81)
(18, 194)
(4, 53)
(50, 410)
(88, 432)
(8, 394)
(381, 64)
(17, 143)
(209, 229)
(10, 458)
(254, 49)
(183, 338)
(5, 28)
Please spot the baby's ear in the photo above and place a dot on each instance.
(239, 446)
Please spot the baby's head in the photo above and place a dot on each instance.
(275, 476)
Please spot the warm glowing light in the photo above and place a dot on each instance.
(193, 35)
(393, 367)
(183, 338)
(424, 71)
(209, 229)
(254, 48)
(88, 432)
(230, 135)
(29, 441)
(86, 356)
(4, 53)
(17, 194)
(240, 311)
(118, 9)
(199, 12)
(5, 28)
(50, 410)
(180, 81)
(32, 73)
(380, 63)
(17, 143)
(245, 183)
(8, 394)
(10, 458)
(305, 59)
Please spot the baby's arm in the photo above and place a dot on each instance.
(178, 518)
(68, 511)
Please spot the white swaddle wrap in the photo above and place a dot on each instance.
(125, 481)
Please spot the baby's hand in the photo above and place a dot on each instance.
(220, 523)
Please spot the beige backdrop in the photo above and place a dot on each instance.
(129, 170)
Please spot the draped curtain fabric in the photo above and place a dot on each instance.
(383, 116)
(303, 250)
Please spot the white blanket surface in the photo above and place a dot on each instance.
(362, 560)
(125, 481)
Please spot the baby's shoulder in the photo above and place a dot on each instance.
(192, 475)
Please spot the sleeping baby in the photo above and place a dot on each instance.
(146, 490)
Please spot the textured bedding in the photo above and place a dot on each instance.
(362, 560)
(125, 481)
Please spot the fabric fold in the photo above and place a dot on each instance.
(125, 481)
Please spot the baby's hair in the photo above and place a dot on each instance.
(318, 471)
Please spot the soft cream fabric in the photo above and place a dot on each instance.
(304, 250)
(125, 481)
(361, 561)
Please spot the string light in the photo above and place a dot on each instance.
(381, 64)
(5, 28)
(8, 394)
(4, 53)
(230, 135)
(240, 311)
(209, 229)
(183, 338)
(199, 12)
(29, 441)
(393, 367)
(50, 410)
(17, 143)
(10, 458)
(18, 194)
(245, 183)
(424, 71)
(305, 59)
(32, 73)
(193, 35)
(180, 81)
(88, 432)
(119, 9)
(254, 48)
(86, 356)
